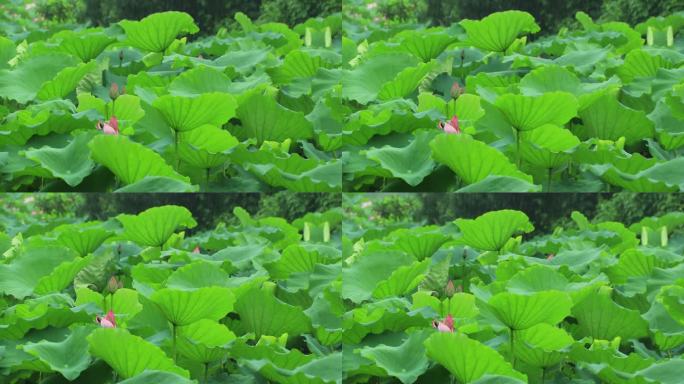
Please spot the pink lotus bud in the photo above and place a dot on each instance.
(113, 284)
(550, 256)
(445, 326)
(196, 250)
(109, 321)
(109, 128)
(456, 90)
(450, 289)
(451, 127)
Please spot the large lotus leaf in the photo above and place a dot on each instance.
(525, 113)
(124, 302)
(406, 82)
(290, 171)
(551, 78)
(369, 269)
(405, 361)
(127, 107)
(264, 119)
(65, 81)
(296, 65)
(69, 357)
(20, 277)
(205, 147)
(364, 82)
(667, 332)
(411, 163)
(86, 45)
(152, 376)
(541, 345)
(25, 80)
(495, 183)
(664, 372)
(130, 161)
(130, 355)
(490, 231)
(524, 311)
(632, 263)
(294, 259)
(198, 274)
(204, 341)
(426, 44)
(460, 305)
(402, 280)
(467, 359)
(154, 226)
(199, 80)
(499, 30)
(71, 163)
(271, 317)
(62, 276)
(606, 118)
(186, 113)
(546, 146)
(183, 307)
(82, 238)
(420, 243)
(157, 31)
(472, 160)
(158, 184)
(639, 63)
(600, 317)
(633, 172)
(7, 52)
(671, 297)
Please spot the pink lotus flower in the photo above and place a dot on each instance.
(451, 126)
(550, 256)
(109, 321)
(196, 250)
(109, 128)
(447, 325)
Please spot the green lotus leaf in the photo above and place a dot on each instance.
(403, 280)
(364, 82)
(639, 63)
(525, 113)
(264, 119)
(183, 307)
(86, 45)
(158, 184)
(127, 107)
(551, 78)
(205, 147)
(411, 163)
(547, 145)
(537, 278)
(23, 83)
(152, 376)
(460, 305)
(290, 171)
(425, 44)
(606, 118)
(600, 317)
(62, 276)
(490, 231)
(65, 81)
(665, 372)
(495, 183)
(405, 361)
(420, 243)
(541, 345)
(499, 30)
(667, 332)
(405, 82)
(467, 359)
(71, 163)
(294, 259)
(296, 65)
(130, 161)
(7, 52)
(524, 311)
(368, 271)
(198, 274)
(633, 263)
(204, 341)
(125, 302)
(154, 226)
(270, 317)
(157, 31)
(82, 238)
(69, 357)
(472, 160)
(630, 172)
(671, 297)
(199, 80)
(21, 276)
(130, 355)
(187, 113)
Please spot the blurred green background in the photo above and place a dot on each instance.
(210, 15)
(550, 14)
(208, 209)
(546, 210)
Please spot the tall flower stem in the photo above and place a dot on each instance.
(173, 345)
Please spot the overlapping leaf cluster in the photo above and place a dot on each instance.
(248, 109)
(253, 302)
(594, 303)
(589, 109)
